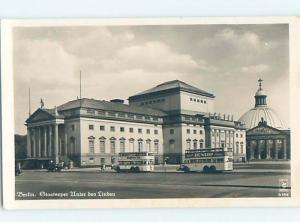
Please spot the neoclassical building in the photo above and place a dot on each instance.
(166, 120)
(267, 138)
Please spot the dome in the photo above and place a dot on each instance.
(261, 92)
(255, 115)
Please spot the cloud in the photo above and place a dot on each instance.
(256, 69)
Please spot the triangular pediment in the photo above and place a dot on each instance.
(259, 130)
(40, 115)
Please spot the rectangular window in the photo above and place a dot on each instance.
(188, 131)
(195, 131)
(131, 130)
(102, 146)
(147, 118)
(90, 111)
(148, 131)
(188, 144)
(201, 132)
(91, 127)
(140, 146)
(241, 135)
(140, 131)
(171, 131)
(72, 127)
(112, 129)
(155, 119)
(102, 128)
(148, 147)
(111, 113)
(122, 129)
(201, 145)
(91, 147)
(155, 131)
(112, 147)
(101, 112)
(131, 146)
(121, 115)
(131, 116)
(122, 146)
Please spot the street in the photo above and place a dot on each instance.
(247, 180)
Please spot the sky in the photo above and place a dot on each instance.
(120, 61)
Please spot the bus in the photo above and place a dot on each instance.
(208, 160)
(135, 162)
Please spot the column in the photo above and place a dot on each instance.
(28, 143)
(268, 149)
(34, 142)
(258, 149)
(251, 150)
(50, 141)
(66, 143)
(39, 141)
(56, 143)
(284, 146)
(275, 150)
(45, 142)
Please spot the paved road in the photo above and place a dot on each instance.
(248, 180)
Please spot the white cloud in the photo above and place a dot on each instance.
(256, 69)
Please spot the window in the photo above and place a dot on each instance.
(242, 147)
(131, 130)
(162, 99)
(172, 144)
(101, 112)
(147, 118)
(171, 131)
(237, 147)
(195, 131)
(131, 145)
(198, 100)
(140, 145)
(121, 115)
(155, 131)
(112, 129)
(91, 146)
(236, 135)
(241, 135)
(195, 144)
(92, 160)
(204, 102)
(111, 113)
(201, 132)
(155, 146)
(191, 99)
(131, 116)
(122, 129)
(139, 117)
(102, 145)
(102, 128)
(91, 127)
(148, 131)
(112, 146)
(188, 144)
(188, 131)
(155, 119)
(194, 100)
(90, 111)
(201, 144)
(72, 127)
(148, 145)
(140, 131)
(122, 146)
(201, 101)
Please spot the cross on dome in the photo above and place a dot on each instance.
(260, 81)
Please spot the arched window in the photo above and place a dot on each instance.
(131, 145)
(201, 143)
(140, 145)
(102, 140)
(188, 144)
(113, 145)
(91, 145)
(156, 142)
(195, 142)
(122, 144)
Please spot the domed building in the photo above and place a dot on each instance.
(266, 136)
(261, 111)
